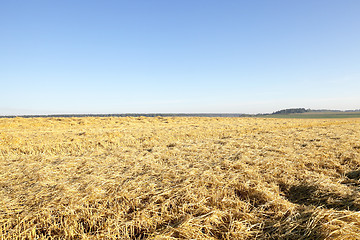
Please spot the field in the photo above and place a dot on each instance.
(171, 178)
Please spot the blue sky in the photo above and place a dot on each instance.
(178, 56)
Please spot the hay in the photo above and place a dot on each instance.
(170, 178)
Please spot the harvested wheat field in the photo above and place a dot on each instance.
(179, 178)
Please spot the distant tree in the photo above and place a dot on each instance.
(291, 110)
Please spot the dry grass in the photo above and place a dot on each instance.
(169, 178)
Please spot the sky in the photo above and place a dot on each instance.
(161, 56)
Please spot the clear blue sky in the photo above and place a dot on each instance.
(84, 56)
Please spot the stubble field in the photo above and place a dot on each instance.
(171, 178)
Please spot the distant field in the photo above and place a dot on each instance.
(318, 115)
(179, 178)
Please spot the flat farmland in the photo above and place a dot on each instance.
(179, 178)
